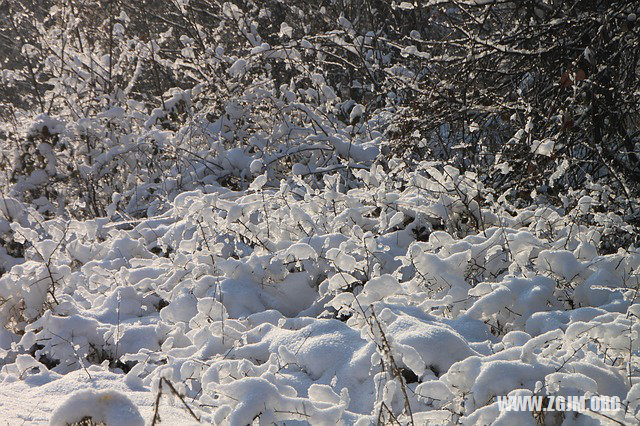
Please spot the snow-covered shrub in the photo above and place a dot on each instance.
(334, 302)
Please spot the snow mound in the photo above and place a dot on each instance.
(107, 406)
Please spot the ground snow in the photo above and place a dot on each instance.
(49, 399)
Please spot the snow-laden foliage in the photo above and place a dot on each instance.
(337, 212)
(191, 106)
(396, 299)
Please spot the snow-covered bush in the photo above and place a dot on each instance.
(324, 303)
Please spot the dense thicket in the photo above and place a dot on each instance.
(532, 96)
(115, 107)
(546, 92)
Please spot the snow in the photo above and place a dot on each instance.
(290, 310)
(237, 67)
(544, 147)
(107, 406)
(43, 398)
(266, 257)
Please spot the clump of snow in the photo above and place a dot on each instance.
(107, 406)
